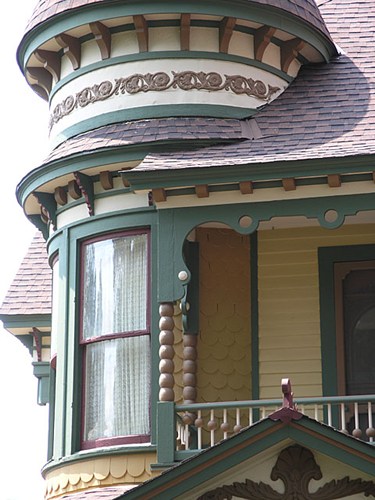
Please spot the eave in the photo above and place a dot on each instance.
(223, 174)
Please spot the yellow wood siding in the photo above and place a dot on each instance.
(224, 345)
(289, 318)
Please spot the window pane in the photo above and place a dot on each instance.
(117, 388)
(115, 286)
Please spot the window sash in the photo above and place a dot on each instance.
(115, 338)
(115, 281)
(117, 388)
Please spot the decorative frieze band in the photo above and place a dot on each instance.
(184, 80)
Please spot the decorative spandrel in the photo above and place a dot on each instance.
(296, 467)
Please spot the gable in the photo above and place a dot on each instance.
(252, 455)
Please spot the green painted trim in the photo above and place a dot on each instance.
(41, 370)
(52, 170)
(69, 376)
(262, 14)
(26, 320)
(155, 111)
(175, 224)
(254, 311)
(220, 458)
(172, 54)
(327, 256)
(154, 326)
(357, 453)
(95, 453)
(51, 414)
(166, 419)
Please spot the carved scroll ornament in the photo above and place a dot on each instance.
(296, 467)
(185, 80)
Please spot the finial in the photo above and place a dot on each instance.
(286, 388)
(288, 411)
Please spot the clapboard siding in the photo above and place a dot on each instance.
(289, 318)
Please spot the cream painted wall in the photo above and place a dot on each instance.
(166, 97)
(258, 469)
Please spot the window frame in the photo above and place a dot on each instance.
(330, 342)
(84, 342)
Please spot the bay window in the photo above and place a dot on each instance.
(115, 339)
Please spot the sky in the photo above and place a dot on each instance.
(23, 141)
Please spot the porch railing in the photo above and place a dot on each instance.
(200, 426)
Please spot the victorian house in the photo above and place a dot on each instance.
(208, 211)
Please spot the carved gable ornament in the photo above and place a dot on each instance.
(296, 467)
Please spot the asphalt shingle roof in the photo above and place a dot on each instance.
(303, 9)
(328, 111)
(154, 130)
(31, 290)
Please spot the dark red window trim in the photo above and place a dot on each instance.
(117, 440)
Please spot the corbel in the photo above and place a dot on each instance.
(41, 78)
(103, 38)
(86, 185)
(48, 206)
(72, 48)
(246, 187)
(289, 184)
(185, 31)
(106, 180)
(61, 196)
(37, 221)
(334, 180)
(262, 38)
(141, 29)
(37, 335)
(289, 51)
(159, 194)
(51, 62)
(226, 28)
(74, 190)
(201, 190)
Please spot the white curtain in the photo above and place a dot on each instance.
(115, 286)
(117, 378)
(117, 388)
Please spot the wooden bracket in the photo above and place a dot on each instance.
(262, 38)
(72, 48)
(74, 190)
(159, 194)
(225, 33)
(334, 180)
(48, 206)
(86, 185)
(41, 78)
(289, 184)
(103, 38)
(141, 29)
(37, 221)
(246, 187)
(201, 190)
(289, 51)
(51, 62)
(61, 196)
(106, 180)
(185, 31)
